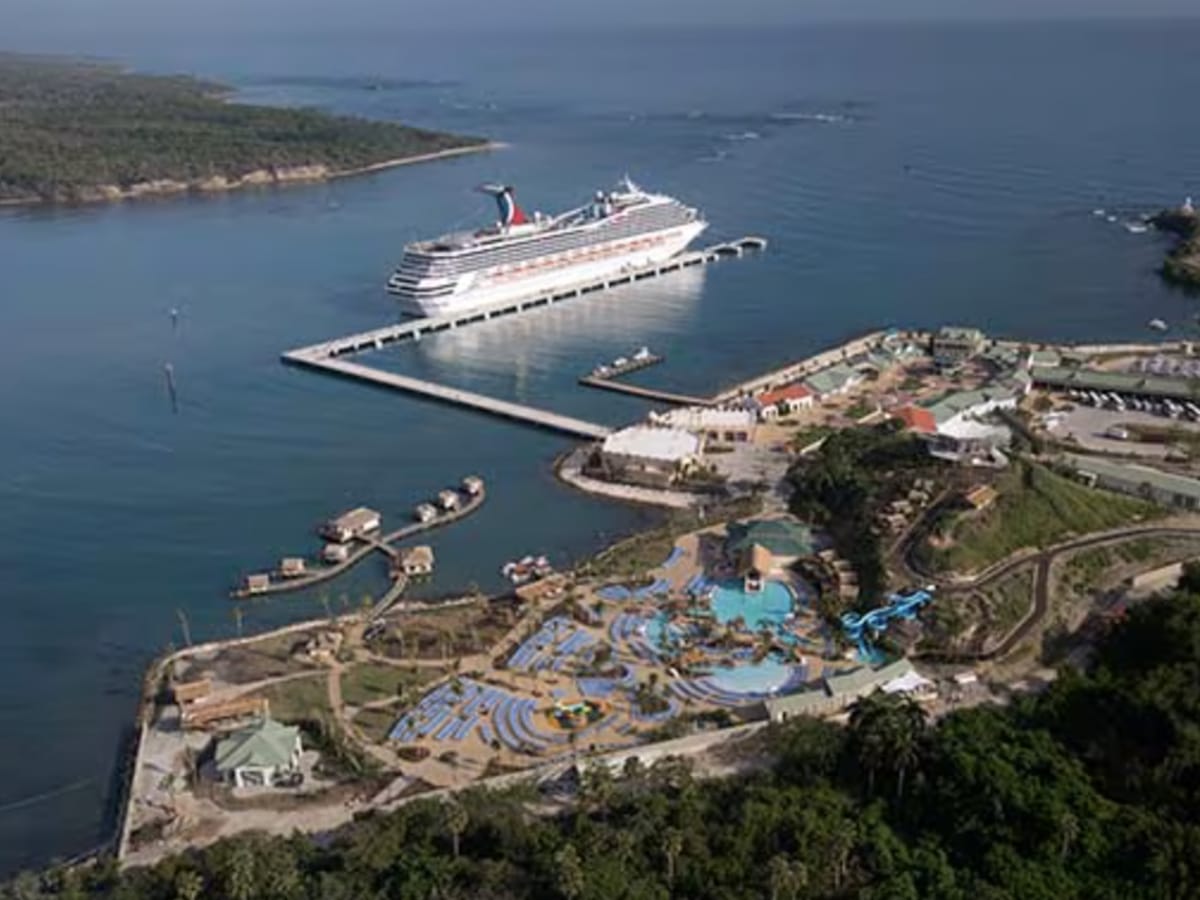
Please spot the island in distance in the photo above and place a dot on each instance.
(74, 131)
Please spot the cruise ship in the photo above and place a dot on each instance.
(522, 255)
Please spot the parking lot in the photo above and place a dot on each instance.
(1091, 428)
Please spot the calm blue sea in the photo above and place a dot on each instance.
(905, 175)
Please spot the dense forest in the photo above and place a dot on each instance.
(1090, 790)
(69, 127)
(844, 486)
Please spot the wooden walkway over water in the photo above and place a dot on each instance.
(367, 546)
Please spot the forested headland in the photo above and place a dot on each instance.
(74, 130)
(1090, 790)
(1182, 264)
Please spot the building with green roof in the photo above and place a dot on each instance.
(839, 691)
(258, 754)
(781, 537)
(1156, 387)
(834, 380)
(953, 345)
(1154, 485)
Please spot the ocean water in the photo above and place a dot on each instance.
(907, 175)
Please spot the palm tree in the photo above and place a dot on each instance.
(239, 874)
(456, 819)
(886, 731)
(183, 623)
(786, 878)
(570, 872)
(672, 847)
(188, 885)
(1068, 833)
(597, 788)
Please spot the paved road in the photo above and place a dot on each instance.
(1041, 583)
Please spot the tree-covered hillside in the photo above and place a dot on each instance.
(1090, 791)
(68, 127)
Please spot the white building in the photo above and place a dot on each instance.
(712, 423)
(784, 401)
(352, 524)
(647, 454)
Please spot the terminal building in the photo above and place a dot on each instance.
(650, 455)
(717, 425)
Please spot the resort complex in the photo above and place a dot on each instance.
(784, 585)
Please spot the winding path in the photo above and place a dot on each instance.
(1041, 583)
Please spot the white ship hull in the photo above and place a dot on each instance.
(484, 289)
(529, 256)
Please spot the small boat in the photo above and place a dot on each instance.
(1158, 324)
(526, 569)
(1099, 213)
(1137, 227)
(620, 362)
(643, 353)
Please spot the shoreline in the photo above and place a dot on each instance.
(221, 184)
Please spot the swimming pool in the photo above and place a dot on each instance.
(753, 678)
(767, 608)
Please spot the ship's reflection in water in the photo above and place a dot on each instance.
(533, 355)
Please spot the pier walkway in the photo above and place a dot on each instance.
(503, 408)
(415, 329)
(366, 546)
(325, 356)
(645, 393)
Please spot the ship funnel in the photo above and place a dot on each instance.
(506, 202)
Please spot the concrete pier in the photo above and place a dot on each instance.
(503, 408)
(415, 329)
(645, 393)
(326, 356)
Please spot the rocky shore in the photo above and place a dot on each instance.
(1182, 264)
(267, 177)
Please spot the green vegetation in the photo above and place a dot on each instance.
(634, 556)
(1009, 601)
(1087, 791)
(807, 436)
(859, 409)
(68, 128)
(298, 699)
(1036, 508)
(366, 682)
(376, 722)
(844, 485)
(1182, 265)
